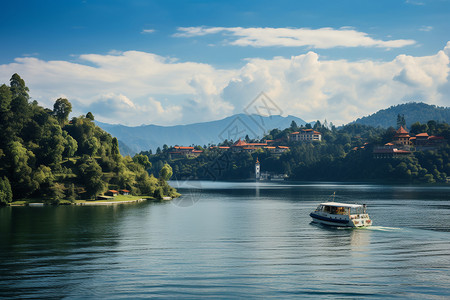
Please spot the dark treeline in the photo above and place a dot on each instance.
(344, 154)
(44, 156)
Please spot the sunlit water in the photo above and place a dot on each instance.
(232, 240)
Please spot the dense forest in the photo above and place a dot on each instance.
(45, 156)
(344, 154)
(412, 111)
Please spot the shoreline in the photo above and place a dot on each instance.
(90, 202)
(94, 203)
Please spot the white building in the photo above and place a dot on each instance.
(305, 135)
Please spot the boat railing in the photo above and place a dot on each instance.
(359, 216)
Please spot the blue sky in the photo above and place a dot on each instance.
(175, 62)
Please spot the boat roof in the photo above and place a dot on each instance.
(337, 204)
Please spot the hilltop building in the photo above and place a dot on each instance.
(403, 143)
(179, 151)
(390, 151)
(305, 135)
(402, 137)
(241, 145)
(423, 141)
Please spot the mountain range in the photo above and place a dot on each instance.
(148, 137)
(145, 137)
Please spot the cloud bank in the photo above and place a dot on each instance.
(322, 38)
(136, 88)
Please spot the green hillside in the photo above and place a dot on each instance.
(45, 157)
(413, 112)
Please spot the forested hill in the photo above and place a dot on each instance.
(45, 157)
(413, 112)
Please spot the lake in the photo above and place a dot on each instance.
(232, 240)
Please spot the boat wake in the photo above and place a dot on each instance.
(382, 228)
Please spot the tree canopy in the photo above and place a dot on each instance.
(62, 108)
(43, 156)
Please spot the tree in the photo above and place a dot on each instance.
(90, 116)
(5, 98)
(401, 121)
(318, 125)
(294, 126)
(143, 161)
(6, 130)
(115, 151)
(70, 194)
(5, 191)
(159, 193)
(146, 184)
(91, 176)
(166, 172)
(57, 193)
(431, 126)
(61, 109)
(51, 144)
(418, 128)
(22, 182)
(90, 145)
(70, 145)
(43, 176)
(19, 104)
(18, 87)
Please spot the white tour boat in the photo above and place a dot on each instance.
(341, 215)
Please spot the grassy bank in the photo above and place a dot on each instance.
(117, 199)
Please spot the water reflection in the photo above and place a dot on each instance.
(236, 241)
(56, 244)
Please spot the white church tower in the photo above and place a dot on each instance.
(257, 170)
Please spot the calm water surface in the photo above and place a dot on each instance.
(231, 240)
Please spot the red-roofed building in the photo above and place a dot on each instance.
(241, 145)
(305, 135)
(423, 141)
(112, 193)
(124, 192)
(195, 153)
(180, 151)
(401, 137)
(277, 150)
(389, 152)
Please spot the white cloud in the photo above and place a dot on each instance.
(132, 75)
(426, 28)
(136, 88)
(322, 38)
(147, 31)
(414, 2)
(339, 90)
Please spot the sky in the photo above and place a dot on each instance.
(170, 62)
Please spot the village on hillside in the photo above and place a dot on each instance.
(404, 144)
(275, 147)
(351, 152)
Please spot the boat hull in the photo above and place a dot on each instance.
(340, 222)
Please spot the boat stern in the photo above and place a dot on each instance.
(361, 220)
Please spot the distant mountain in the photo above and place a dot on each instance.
(143, 138)
(413, 112)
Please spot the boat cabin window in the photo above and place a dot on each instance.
(357, 210)
(335, 210)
